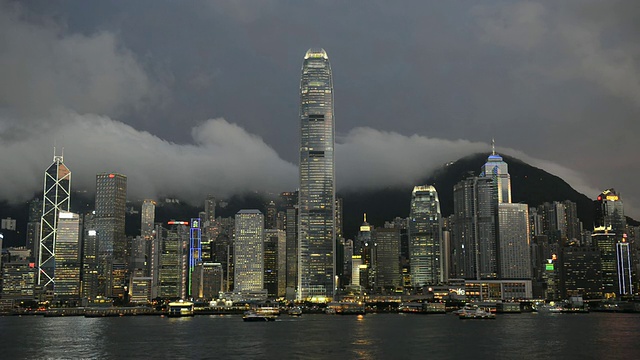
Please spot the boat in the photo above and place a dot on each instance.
(252, 316)
(476, 313)
(295, 311)
(180, 308)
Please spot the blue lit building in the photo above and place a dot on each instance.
(195, 248)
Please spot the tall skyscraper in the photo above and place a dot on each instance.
(172, 270)
(57, 192)
(111, 198)
(249, 251)
(317, 233)
(425, 236)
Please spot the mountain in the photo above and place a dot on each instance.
(529, 185)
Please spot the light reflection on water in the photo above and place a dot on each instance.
(374, 336)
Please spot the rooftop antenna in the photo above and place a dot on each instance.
(493, 146)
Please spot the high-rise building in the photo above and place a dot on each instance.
(605, 241)
(317, 233)
(514, 246)
(366, 246)
(275, 262)
(581, 272)
(173, 251)
(195, 248)
(425, 236)
(623, 261)
(498, 170)
(388, 255)
(57, 192)
(90, 263)
(33, 227)
(147, 219)
(207, 281)
(67, 250)
(474, 240)
(210, 209)
(290, 203)
(111, 198)
(249, 251)
(610, 213)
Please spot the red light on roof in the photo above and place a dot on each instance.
(32, 265)
(599, 198)
(112, 176)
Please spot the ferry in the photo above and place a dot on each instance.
(295, 311)
(475, 313)
(253, 316)
(180, 308)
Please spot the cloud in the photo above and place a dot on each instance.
(225, 159)
(42, 68)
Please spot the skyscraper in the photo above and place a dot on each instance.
(111, 198)
(67, 249)
(317, 179)
(249, 251)
(147, 218)
(57, 191)
(610, 213)
(498, 170)
(514, 245)
(474, 229)
(425, 235)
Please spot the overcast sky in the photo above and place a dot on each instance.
(194, 97)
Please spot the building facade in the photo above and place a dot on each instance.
(425, 236)
(249, 251)
(317, 234)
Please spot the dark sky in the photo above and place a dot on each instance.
(192, 97)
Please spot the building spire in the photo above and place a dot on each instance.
(493, 146)
(365, 217)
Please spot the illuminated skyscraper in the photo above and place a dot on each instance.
(498, 170)
(249, 251)
(610, 213)
(57, 191)
(111, 198)
(425, 236)
(317, 232)
(67, 249)
(195, 248)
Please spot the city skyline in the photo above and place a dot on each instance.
(117, 116)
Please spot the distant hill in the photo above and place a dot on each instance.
(529, 185)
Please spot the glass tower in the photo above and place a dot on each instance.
(317, 179)
(425, 233)
(57, 191)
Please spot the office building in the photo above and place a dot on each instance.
(475, 228)
(317, 233)
(275, 262)
(207, 281)
(514, 245)
(57, 192)
(388, 258)
(67, 259)
(90, 259)
(249, 251)
(111, 197)
(425, 237)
